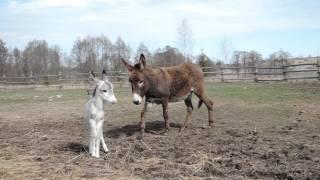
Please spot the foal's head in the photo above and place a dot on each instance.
(137, 79)
(103, 89)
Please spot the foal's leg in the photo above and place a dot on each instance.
(98, 137)
(142, 122)
(104, 146)
(92, 127)
(165, 112)
(189, 111)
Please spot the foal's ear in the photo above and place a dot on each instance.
(104, 75)
(93, 76)
(127, 65)
(142, 62)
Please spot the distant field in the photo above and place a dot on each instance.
(261, 131)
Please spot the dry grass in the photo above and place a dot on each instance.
(254, 136)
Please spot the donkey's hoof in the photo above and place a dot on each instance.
(140, 137)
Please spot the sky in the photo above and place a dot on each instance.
(262, 25)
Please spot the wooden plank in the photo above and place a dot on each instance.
(262, 74)
(269, 80)
(291, 78)
(269, 68)
(303, 70)
(303, 64)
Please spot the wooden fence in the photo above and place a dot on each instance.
(302, 72)
(288, 72)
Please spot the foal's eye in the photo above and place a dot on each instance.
(104, 90)
(140, 82)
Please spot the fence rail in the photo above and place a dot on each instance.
(288, 72)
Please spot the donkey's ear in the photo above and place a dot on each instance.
(93, 76)
(104, 75)
(127, 65)
(142, 62)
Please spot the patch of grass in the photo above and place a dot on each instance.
(37, 96)
(245, 91)
(264, 92)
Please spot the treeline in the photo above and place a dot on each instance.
(97, 53)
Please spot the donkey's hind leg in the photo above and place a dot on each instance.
(204, 99)
(188, 103)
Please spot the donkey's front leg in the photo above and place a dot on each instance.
(142, 122)
(165, 112)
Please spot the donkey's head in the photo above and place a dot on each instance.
(137, 79)
(103, 89)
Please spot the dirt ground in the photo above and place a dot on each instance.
(252, 138)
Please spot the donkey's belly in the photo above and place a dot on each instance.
(179, 98)
(171, 99)
(154, 100)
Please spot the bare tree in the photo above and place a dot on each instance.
(83, 52)
(253, 57)
(18, 61)
(142, 49)
(226, 49)
(103, 51)
(204, 61)
(120, 50)
(185, 40)
(168, 56)
(3, 57)
(54, 59)
(279, 58)
(35, 57)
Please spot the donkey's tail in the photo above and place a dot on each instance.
(200, 103)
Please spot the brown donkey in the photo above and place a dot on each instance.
(164, 85)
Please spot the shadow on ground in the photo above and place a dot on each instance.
(154, 127)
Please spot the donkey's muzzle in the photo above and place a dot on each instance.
(136, 102)
(136, 99)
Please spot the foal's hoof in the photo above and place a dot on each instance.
(182, 129)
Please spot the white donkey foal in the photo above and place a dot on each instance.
(94, 113)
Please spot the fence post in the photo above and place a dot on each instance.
(255, 72)
(284, 71)
(221, 73)
(318, 61)
(31, 78)
(59, 76)
(120, 79)
(60, 80)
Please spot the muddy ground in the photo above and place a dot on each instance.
(254, 136)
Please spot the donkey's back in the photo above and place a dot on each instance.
(184, 78)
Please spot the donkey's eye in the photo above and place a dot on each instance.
(104, 90)
(140, 82)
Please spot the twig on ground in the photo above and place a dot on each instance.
(146, 145)
(127, 154)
